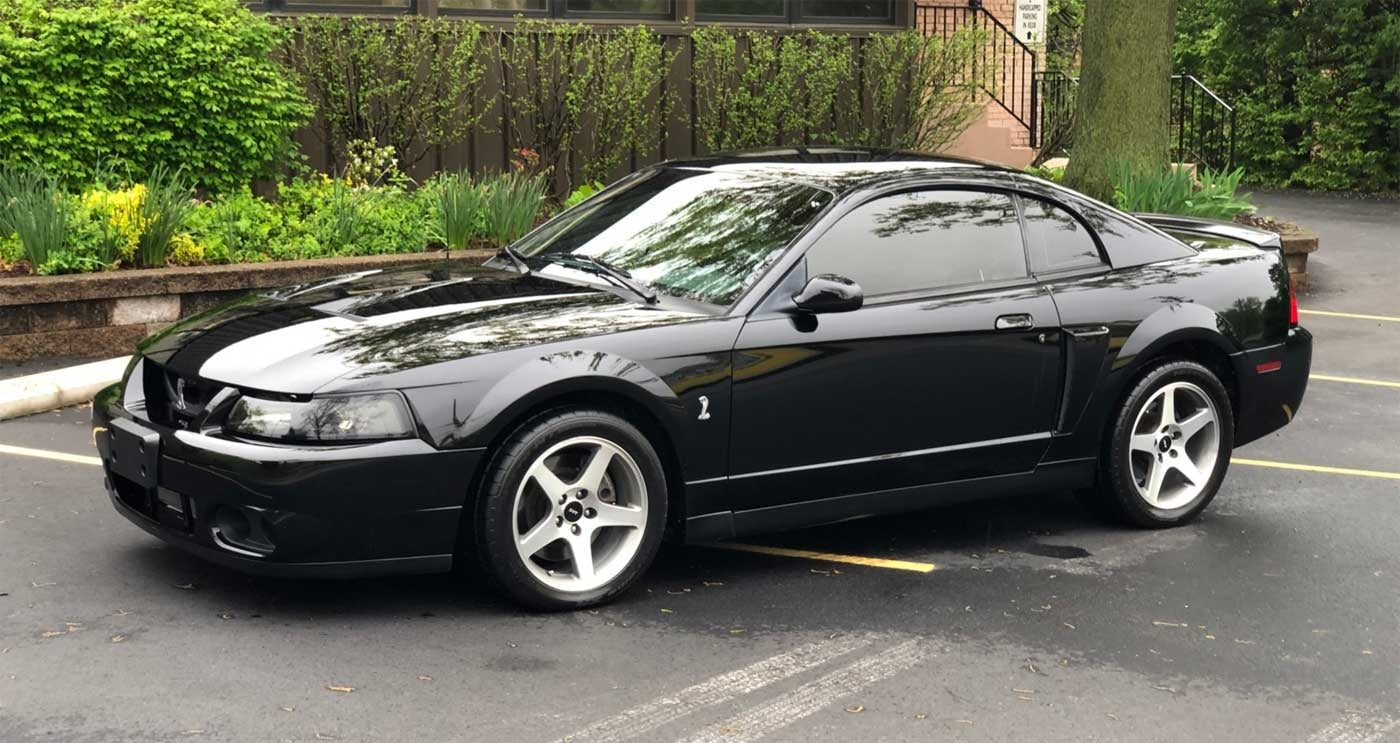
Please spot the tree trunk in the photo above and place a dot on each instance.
(1124, 95)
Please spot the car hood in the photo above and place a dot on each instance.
(303, 337)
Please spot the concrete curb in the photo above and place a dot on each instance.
(58, 388)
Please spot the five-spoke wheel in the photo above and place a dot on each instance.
(580, 513)
(1169, 446)
(572, 509)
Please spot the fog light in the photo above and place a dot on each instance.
(242, 531)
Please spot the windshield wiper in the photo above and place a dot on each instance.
(515, 258)
(604, 269)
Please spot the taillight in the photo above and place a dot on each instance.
(1292, 305)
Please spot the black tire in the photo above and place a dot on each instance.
(494, 529)
(1117, 492)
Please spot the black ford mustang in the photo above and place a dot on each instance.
(713, 348)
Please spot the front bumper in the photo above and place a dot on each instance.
(1271, 385)
(297, 511)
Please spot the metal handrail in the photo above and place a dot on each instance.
(1014, 61)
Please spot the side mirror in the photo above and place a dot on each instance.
(829, 293)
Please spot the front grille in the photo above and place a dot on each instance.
(173, 400)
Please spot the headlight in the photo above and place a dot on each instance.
(335, 418)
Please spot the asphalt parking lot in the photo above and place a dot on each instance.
(1276, 617)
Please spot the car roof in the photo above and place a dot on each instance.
(838, 169)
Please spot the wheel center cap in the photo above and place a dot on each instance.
(1165, 444)
(573, 511)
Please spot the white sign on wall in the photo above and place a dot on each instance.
(1030, 21)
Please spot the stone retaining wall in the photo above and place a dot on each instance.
(99, 315)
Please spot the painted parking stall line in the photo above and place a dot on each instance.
(1316, 468)
(871, 562)
(1349, 315)
(807, 699)
(644, 718)
(24, 451)
(1353, 380)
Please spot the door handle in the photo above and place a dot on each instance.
(1015, 322)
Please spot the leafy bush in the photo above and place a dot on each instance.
(629, 114)
(757, 88)
(143, 82)
(236, 228)
(1174, 191)
(582, 194)
(1054, 175)
(411, 84)
(1314, 86)
(513, 203)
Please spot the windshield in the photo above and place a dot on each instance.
(694, 234)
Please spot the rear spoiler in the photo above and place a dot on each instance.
(1213, 228)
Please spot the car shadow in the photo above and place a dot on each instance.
(1046, 526)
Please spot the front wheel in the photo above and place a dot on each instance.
(1170, 446)
(572, 510)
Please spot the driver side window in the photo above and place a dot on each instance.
(923, 240)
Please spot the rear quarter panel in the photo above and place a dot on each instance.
(1234, 299)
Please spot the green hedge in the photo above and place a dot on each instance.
(131, 84)
(1316, 86)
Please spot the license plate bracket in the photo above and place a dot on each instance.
(135, 452)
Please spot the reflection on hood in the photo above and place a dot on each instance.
(299, 338)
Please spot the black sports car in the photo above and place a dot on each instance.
(712, 348)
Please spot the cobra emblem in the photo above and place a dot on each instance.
(704, 408)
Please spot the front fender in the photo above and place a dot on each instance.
(473, 414)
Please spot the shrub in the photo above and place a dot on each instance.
(143, 82)
(513, 203)
(550, 69)
(1314, 86)
(629, 111)
(411, 84)
(756, 89)
(1173, 191)
(582, 194)
(236, 228)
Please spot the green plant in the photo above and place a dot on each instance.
(513, 203)
(412, 84)
(550, 68)
(162, 213)
(1314, 86)
(1174, 191)
(461, 209)
(39, 215)
(134, 83)
(1055, 175)
(64, 261)
(237, 227)
(368, 164)
(628, 111)
(755, 88)
(582, 193)
(922, 90)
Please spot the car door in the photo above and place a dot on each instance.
(950, 370)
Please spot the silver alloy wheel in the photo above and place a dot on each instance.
(579, 514)
(1174, 446)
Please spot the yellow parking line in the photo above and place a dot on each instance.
(1316, 468)
(1354, 380)
(870, 562)
(45, 454)
(1352, 315)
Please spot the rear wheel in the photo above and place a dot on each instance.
(1170, 446)
(572, 510)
